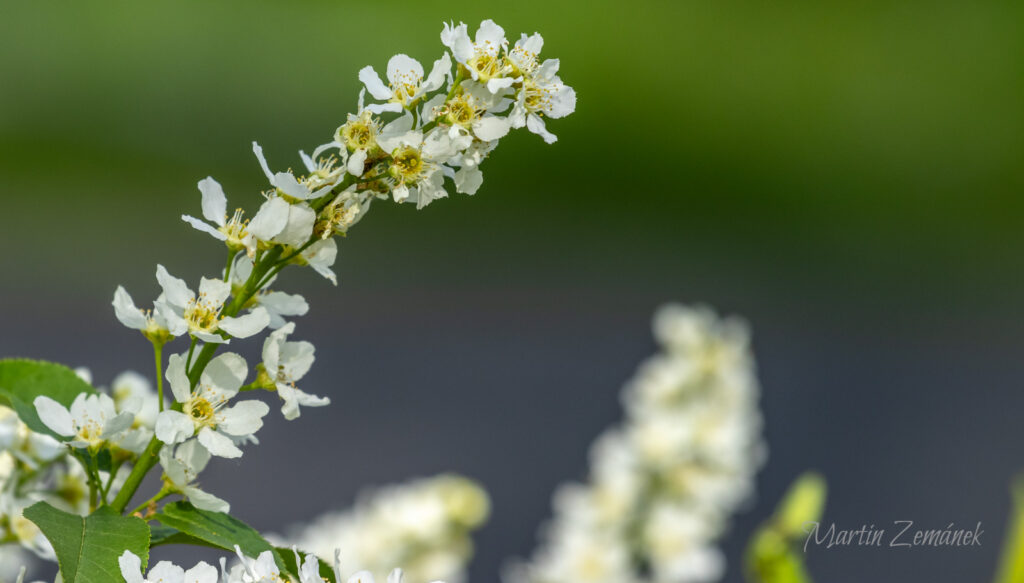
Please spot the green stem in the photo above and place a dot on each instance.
(92, 494)
(163, 493)
(95, 488)
(146, 462)
(150, 456)
(227, 267)
(191, 349)
(110, 481)
(158, 349)
(248, 290)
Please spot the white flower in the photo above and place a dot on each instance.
(182, 465)
(165, 571)
(309, 568)
(405, 76)
(466, 114)
(523, 56)
(676, 537)
(91, 420)
(424, 525)
(262, 569)
(542, 94)
(321, 256)
(665, 482)
(482, 57)
(279, 221)
(415, 168)
(21, 529)
(285, 364)
(204, 411)
(234, 231)
(158, 324)
(28, 447)
(286, 183)
(133, 393)
(344, 211)
(202, 314)
(324, 171)
(359, 136)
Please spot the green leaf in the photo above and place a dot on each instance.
(88, 547)
(218, 530)
(775, 552)
(161, 534)
(326, 572)
(803, 503)
(1011, 564)
(22, 380)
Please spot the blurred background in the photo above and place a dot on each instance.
(846, 177)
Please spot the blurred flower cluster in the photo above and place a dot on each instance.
(663, 483)
(423, 525)
(35, 466)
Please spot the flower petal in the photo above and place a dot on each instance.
(321, 256)
(294, 397)
(468, 179)
(126, 311)
(297, 358)
(243, 418)
(374, 85)
(176, 293)
(117, 424)
(270, 219)
(174, 427)
(536, 125)
(215, 204)
(442, 69)
(279, 304)
(299, 226)
(131, 567)
(497, 84)
(204, 227)
(356, 163)
(213, 292)
(379, 108)
(225, 373)
(177, 378)
(404, 70)
(247, 325)
(204, 501)
(456, 38)
(288, 184)
(166, 572)
(258, 150)
(361, 577)
(54, 415)
(218, 444)
(490, 37)
(490, 128)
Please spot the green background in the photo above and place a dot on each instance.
(848, 175)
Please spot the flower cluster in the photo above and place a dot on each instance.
(417, 137)
(262, 569)
(663, 484)
(31, 468)
(35, 466)
(423, 525)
